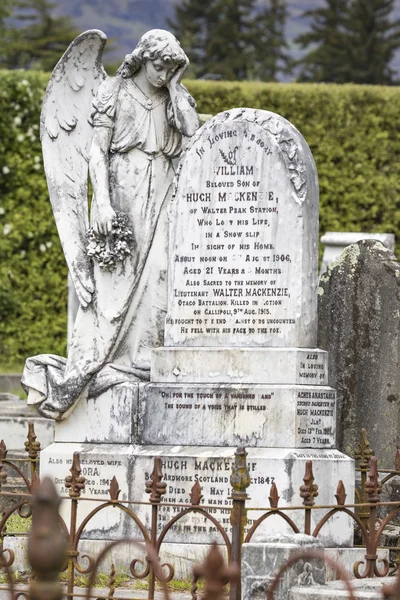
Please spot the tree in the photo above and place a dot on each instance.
(193, 26)
(328, 57)
(231, 48)
(233, 38)
(36, 39)
(372, 41)
(272, 51)
(354, 41)
(5, 11)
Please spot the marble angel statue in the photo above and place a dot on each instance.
(124, 131)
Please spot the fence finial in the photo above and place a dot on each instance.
(32, 446)
(3, 456)
(240, 477)
(363, 453)
(373, 486)
(156, 487)
(273, 496)
(215, 574)
(47, 544)
(75, 482)
(309, 490)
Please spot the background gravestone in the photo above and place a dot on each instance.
(336, 241)
(359, 325)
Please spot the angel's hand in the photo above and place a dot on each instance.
(84, 286)
(178, 75)
(103, 221)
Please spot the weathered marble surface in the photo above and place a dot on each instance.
(183, 466)
(14, 418)
(261, 561)
(336, 241)
(253, 416)
(244, 236)
(206, 415)
(111, 418)
(240, 365)
(364, 589)
(358, 313)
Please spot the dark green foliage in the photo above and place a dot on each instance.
(5, 11)
(352, 131)
(38, 39)
(351, 41)
(193, 24)
(33, 274)
(230, 49)
(271, 47)
(372, 41)
(235, 39)
(328, 57)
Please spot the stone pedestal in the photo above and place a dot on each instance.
(211, 467)
(120, 433)
(240, 365)
(308, 577)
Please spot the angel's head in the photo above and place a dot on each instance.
(159, 53)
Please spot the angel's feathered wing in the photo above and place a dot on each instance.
(66, 134)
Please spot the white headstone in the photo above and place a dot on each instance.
(243, 245)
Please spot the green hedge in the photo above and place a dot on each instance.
(33, 274)
(353, 132)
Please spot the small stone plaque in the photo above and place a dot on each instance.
(244, 233)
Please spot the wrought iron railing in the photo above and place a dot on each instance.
(365, 513)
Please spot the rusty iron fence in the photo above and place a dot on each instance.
(366, 512)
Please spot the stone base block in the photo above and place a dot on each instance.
(211, 415)
(211, 467)
(239, 365)
(274, 416)
(347, 557)
(182, 556)
(110, 418)
(363, 589)
(260, 562)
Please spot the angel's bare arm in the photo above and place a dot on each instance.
(186, 118)
(99, 175)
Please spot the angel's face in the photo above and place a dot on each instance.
(158, 72)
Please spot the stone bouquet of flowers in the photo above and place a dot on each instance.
(111, 249)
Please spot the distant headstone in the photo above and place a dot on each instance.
(336, 241)
(358, 323)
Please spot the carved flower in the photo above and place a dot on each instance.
(109, 250)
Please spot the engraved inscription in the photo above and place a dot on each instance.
(237, 240)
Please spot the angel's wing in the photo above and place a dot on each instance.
(66, 134)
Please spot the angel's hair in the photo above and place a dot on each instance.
(156, 43)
